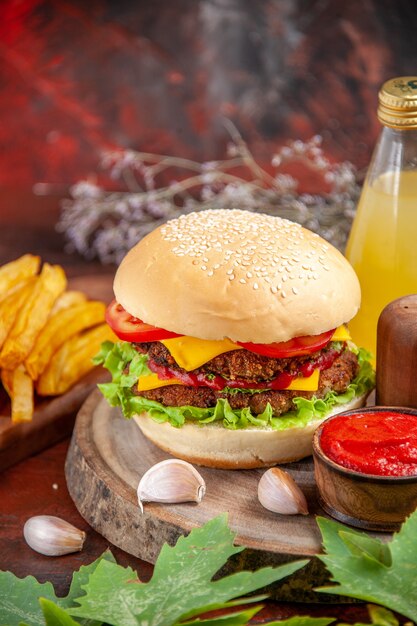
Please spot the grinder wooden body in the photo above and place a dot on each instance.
(396, 363)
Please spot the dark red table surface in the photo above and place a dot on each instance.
(37, 485)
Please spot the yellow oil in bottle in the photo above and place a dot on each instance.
(383, 248)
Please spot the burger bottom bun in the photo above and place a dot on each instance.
(213, 445)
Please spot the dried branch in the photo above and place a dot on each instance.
(103, 224)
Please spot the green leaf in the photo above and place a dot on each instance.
(110, 595)
(366, 546)
(81, 577)
(352, 564)
(181, 583)
(303, 621)
(232, 619)
(216, 606)
(19, 600)
(379, 617)
(55, 615)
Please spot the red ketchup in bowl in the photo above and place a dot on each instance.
(382, 443)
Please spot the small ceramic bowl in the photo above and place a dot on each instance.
(366, 501)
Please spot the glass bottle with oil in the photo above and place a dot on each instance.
(382, 246)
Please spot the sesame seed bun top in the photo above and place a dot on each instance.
(237, 274)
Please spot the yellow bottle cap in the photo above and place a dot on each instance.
(398, 103)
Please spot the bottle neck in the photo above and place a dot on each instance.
(396, 150)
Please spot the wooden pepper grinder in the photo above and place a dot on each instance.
(396, 362)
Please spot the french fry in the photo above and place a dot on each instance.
(22, 395)
(72, 361)
(59, 328)
(67, 299)
(16, 271)
(19, 387)
(33, 316)
(10, 306)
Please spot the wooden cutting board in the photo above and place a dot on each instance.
(108, 455)
(54, 418)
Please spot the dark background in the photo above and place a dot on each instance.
(160, 75)
(77, 77)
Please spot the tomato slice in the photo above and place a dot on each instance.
(299, 346)
(130, 328)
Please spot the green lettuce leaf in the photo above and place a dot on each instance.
(126, 366)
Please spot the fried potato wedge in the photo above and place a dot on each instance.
(67, 299)
(12, 304)
(72, 361)
(33, 315)
(16, 271)
(61, 327)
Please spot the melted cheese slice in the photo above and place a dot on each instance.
(190, 353)
(306, 384)
(341, 334)
(146, 383)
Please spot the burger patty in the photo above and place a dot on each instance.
(336, 378)
(233, 365)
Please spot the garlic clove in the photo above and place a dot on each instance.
(52, 536)
(278, 492)
(171, 481)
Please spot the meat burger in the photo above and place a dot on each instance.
(233, 339)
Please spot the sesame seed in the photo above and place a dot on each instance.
(283, 294)
(255, 286)
(204, 267)
(295, 290)
(274, 289)
(243, 281)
